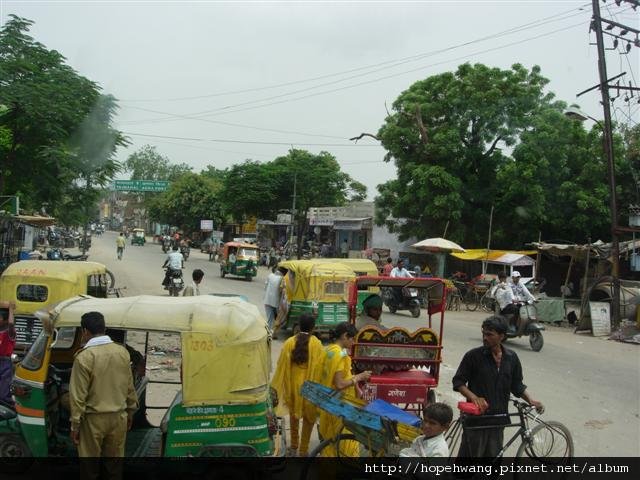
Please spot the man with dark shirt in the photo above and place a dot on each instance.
(486, 376)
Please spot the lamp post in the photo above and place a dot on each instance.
(607, 144)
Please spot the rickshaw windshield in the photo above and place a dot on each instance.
(247, 252)
(35, 355)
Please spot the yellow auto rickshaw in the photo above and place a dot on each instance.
(223, 404)
(321, 288)
(35, 284)
(361, 267)
(239, 259)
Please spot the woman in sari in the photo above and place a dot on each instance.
(336, 374)
(300, 360)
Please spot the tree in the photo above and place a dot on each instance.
(148, 164)
(443, 135)
(189, 199)
(47, 102)
(249, 189)
(319, 182)
(93, 147)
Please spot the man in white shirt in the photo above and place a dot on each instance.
(344, 249)
(520, 292)
(174, 261)
(273, 288)
(400, 271)
(193, 290)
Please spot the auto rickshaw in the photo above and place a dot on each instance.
(138, 237)
(361, 267)
(223, 406)
(320, 288)
(35, 284)
(246, 260)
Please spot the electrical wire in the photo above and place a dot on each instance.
(252, 142)
(217, 112)
(395, 62)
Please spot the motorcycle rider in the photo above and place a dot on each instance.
(174, 262)
(514, 297)
(400, 272)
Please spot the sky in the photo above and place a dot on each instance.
(215, 83)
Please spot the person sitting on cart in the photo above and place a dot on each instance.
(437, 418)
(371, 313)
(232, 260)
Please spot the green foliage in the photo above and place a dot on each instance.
(148, 164)
(189, 199)
(443, 136)
(50, 110)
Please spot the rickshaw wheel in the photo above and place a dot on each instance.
(392, 309)
(415, 311)
(15, 456)
(222, 273)
(536, 341)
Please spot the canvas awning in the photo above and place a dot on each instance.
(501, 257)
(36, 221)
(352, 224)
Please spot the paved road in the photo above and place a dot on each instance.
(592, 385)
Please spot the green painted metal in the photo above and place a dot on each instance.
(329, 314)
(34, 435)
(190, 429)
(141, 185)
(243, 268)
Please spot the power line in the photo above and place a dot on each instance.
(253, 142)
(229, 124)
(218, 112)
(399, 73)
(537, 23)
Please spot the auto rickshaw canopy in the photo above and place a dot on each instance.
(225, 340)
(238, 246)
(62, 280)
(137, 231)
(360, 266)
(307, 280)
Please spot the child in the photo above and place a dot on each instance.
(7, 342)
(437, 418)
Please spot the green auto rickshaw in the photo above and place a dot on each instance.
(138, 237)
(320, 288)
(239, 259)
(223, 405)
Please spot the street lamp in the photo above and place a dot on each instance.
(607, 144)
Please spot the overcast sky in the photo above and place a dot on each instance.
(250, 63)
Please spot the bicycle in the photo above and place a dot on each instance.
(545, 441)
(487, 302)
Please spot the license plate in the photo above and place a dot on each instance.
(177, 281)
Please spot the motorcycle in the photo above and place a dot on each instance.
(174, 282)
(59, 254)
(409, 301)
(524, 323)
(166, 244)
(184, 250)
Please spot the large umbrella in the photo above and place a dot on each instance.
(438, 245)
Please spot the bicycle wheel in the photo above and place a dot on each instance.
(487, 303)
(471, 300)
(548, 442)
(344, 442)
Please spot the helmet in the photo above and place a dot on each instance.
(516, 274)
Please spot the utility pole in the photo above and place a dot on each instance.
(608, 147)
(293, 210)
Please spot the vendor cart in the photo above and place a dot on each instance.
(405, 365)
